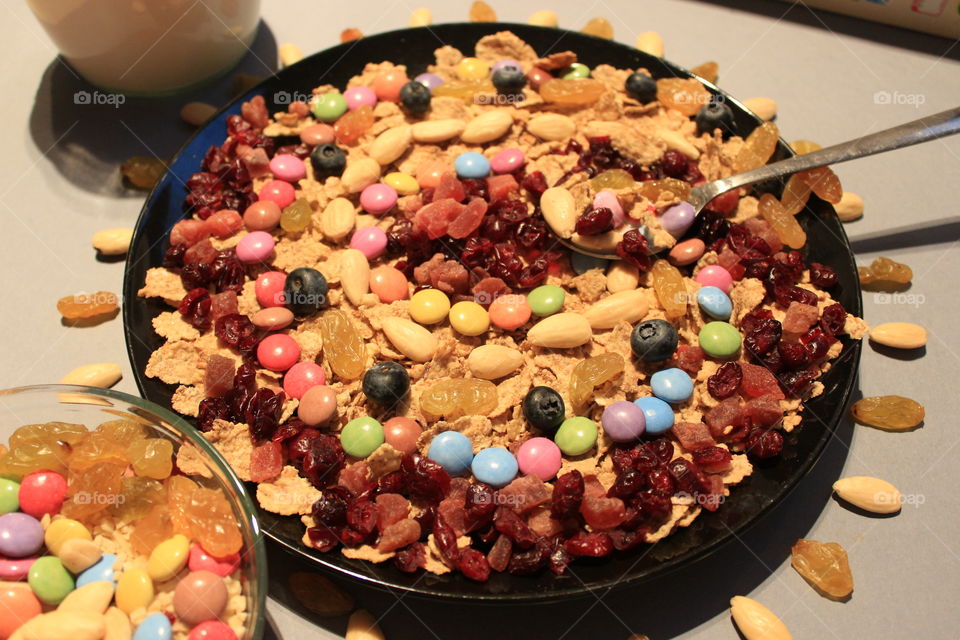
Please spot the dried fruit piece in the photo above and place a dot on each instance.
(612, 179)
(824, 565)
(482, 12)
(350, 34)
(823, 182)
(893, 413)
(599, 27)
(756, 622)
(670, 288)
(342, 345)
(686, 95)
(884, 273)
(353, 124)
(87, 305)
(464, 89)
(785, 225)
(795, 195)
(805, 146)
(213, 522)
(757, 148)
(709, 71)
(652, 190)
(297, 216)
(590, 373)
(143, 172)
(573, 91)
(870, 494)
(456, 397)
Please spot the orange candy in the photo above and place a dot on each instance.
(17, 604)
(428, 173)
(389, 284)
(509, 311)
(387, 85)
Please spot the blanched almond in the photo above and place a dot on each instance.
(870, 494)
(558, 205)
(487, 126)
(421, 17)
(101, 374)
(118, 625)
(756, 622)
(899, 335)
(79, 554)
(492, 361)
(95, 597)
(676, 140)
(360, 174)
(289, 54)
(622, 276)
(551, 126)
(433, 131)
(561, 331)
(112, 242)
(391, 144)
(624, 306)
(354, 275)
(411, 339)
(650, 42)
(543, 18)
(57, 625)
(362, 626)
(765, 108)
(850, 207)
(338, 219)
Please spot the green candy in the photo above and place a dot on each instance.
(49, 580)
(329, 106)
(720, 339)
(577, 70)
(361, 437)
(546, 300)
(9, 496)
(576, 436)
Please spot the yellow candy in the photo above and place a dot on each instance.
(168, 558)
(472, 69)
(62, 530)
(469, 318)
(429, 306)
(404, 183)
(134, 590)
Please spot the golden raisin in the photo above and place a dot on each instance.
(572, 91)
(87, 305)
(784, 225)
(464, 89)
(805, 146)
(343, 346)
(686, 95)
(350, 126)
(709, 71)
(670, 289)
(143, 172)
(893, 413)
(455, 397)
(591, 373)
(757, 148)
(796, 193)
(652, 190)
(823, 182)
(885, 274)
(823, 565)
(612, 179)
(482, 12)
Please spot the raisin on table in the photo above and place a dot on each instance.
(824, 565)
(893, 413)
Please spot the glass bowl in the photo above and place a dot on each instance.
(91, 406)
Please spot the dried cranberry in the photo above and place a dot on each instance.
(817, 343)
(322, 538)
(263, 413)
(507, 522)
(362, 516)
(595, 545)
(331, 509)
(411, 558)
(661, 481)
(479, 505)
(710, 226)
(745, 244)
(228, 273)
(688, 475)
(725, 203)
(725, 381)
(212, 409)
(674, 163)
(796, 383)
(238, 331)
(752, 320)
(822, 276)
(662, 449)
(393, 482)
(446, 540)
(567, 495)
(513, 211)
(764, 443)
(785, 295)
(832, 319)
(531, 233)
(712, 459)
(623, 458)
(534, 182)
(654, 506)
(195, 308)
(495, 228)
(299, 445)
(595, 222)
(534, 274)
(323, 461)
(764, 336)
(793, 355)
(474, 565)
(757, 267)
(529, 561)
(173, 256)
(428, 480)
(634, 249)
(627, 484)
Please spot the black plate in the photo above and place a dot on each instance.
(414, 47)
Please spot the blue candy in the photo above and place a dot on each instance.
(672, 385)
(452, 451)
(495, 466)
(715, 303)
(155, 626)
(101, 571)
(658, 413)
(472, 165)
(582, 263)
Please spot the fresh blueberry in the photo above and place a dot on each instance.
(654, 340)
(641, 87)
(715, 115)
(386, 383)
(415, 97)
(509, 80)
(327, 160)
(305, 291)
(543, 408)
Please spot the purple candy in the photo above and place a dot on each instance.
(21, 535)
(505, 63)
(678, 218)
(623, 421)
(431, 80)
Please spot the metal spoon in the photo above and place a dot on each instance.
(932, 127)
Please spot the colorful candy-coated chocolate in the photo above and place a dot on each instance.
(61, 530)
(329, 106)
(577, 70)
(402, 433)
(510, 311)
(255, 247)
(317, 134)
(42, 493)
(623, 421)
(273, 318)
(537, 77)
(212, 630)
(403, 183)
(507, 160)
(715, 276)
(658, 414)
(672, 385)
(495, 466)
(134, 590)
(301, 376)
(429, 80)
(576, 435)
(607, 199)
(472, 69)
(582, 263)
(357, 97)
(288, 167)
(472, 165)
(101, 570)
(262, 215)
(21, 535)
(370, 241)
(169, 557)
(378, 198)
(200, 596)
(269, 288)
(224, 566)
(361, 437)
(687, 252)
(389, 284)
(317, 405)
(714, 302)
(387, 85)
(15, 569)
(278, 352)
(469, 318)
(155, 626)
(720, 339)
(429, 306)
(279, 192)
(9, 496)
(452, 451)
(539, 457)
(49, 581)
(546, 299)
(678, 218)
(429, 173)
(18, 605)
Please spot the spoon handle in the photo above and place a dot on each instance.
(927, 128)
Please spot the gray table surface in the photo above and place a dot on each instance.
(59, 184)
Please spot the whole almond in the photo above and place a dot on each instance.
(101, 374)
(360, 174)
(551, 126)
(561, 331)
(558, 206)
(624, 306)
(899, 335)
(118, 625)
(622, 276)
(197, 113)
(362, 626)
(765, 108)
(391, 144)
(434, 131)
(80, 625)
(676, 140)
(411, 339)
(487, 126)
(650, 42)
(543, 18)
(354, 275)
(850, 207)
(756, 622)
(492, 361)
(870, 494)
(94, 596)
(112, 242)
(338, 219)
(79, 554)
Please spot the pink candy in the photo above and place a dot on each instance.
(278, 352)
(378, 198)
(507, 160)
(256, 246)
(15, 569)
(370, 241)
(715, 276)
(269, 288)
(608, 200)
(42, 492)
(212, 630)
(278, 191)
(288, 167)
(357, 97)
(301, 377)
(200, 560)
(539, 457)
